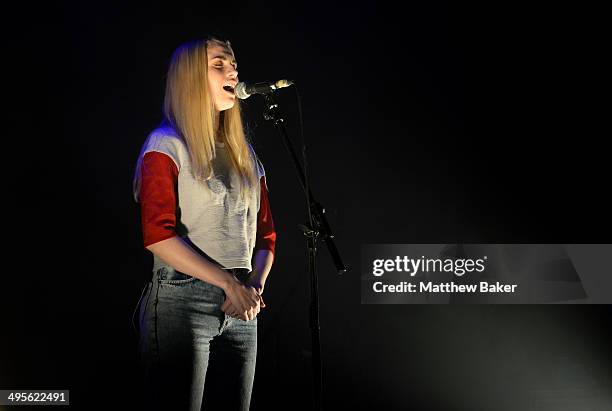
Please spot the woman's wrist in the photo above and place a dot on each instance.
(229, 281)
(257, 283)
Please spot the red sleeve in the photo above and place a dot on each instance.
(266, 236)
(158, 197)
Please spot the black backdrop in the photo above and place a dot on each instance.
(426, 123)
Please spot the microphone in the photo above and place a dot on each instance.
(244, 91)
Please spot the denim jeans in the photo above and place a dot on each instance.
(193, 356)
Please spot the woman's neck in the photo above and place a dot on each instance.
(217, 128)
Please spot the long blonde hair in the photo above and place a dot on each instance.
(189, 109)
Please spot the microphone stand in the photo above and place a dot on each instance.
(317, 227)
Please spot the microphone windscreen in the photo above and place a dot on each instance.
(240, 91)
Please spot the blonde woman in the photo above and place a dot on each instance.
(207, 221)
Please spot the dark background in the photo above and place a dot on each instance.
(427, 123)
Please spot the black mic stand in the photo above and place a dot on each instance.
(317, 227)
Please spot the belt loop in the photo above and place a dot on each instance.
(161, 273)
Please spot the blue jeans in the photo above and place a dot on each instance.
(193, 355)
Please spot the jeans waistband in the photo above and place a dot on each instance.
(241, 273)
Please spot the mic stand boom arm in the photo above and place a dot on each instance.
(317, 211)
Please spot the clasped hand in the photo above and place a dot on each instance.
(243, 301)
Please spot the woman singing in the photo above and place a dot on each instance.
(207, 221)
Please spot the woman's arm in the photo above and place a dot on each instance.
(265, 244)
(263, 256)
(179, 255)
(262, 264)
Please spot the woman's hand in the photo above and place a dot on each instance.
(243, 301)
(256, 284)
(228, 308)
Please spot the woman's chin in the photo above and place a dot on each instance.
(225, 106)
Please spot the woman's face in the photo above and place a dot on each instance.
(222, 73)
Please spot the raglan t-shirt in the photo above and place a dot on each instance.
(210, 215)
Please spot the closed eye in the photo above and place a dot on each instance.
(235, 65)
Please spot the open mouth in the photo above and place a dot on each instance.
(229, 89)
